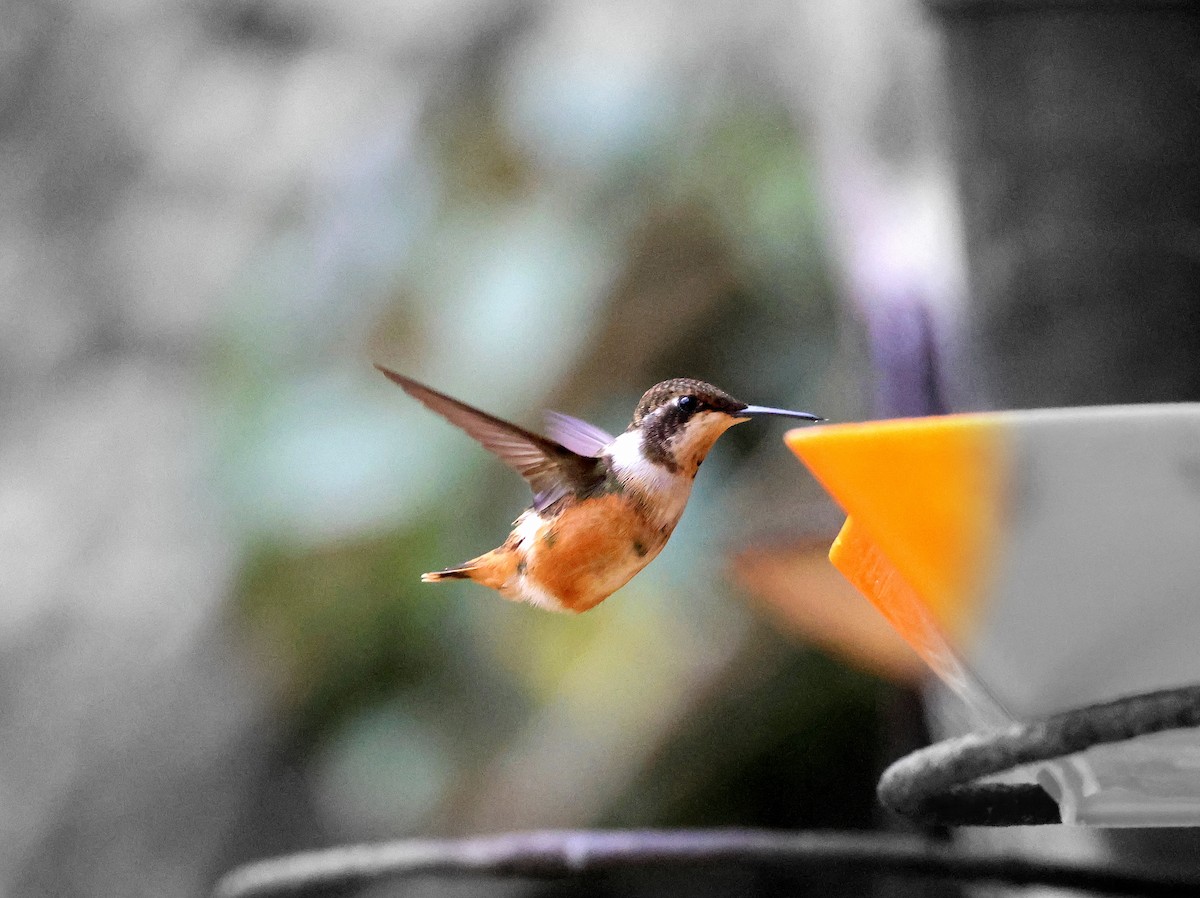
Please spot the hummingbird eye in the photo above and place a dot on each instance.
(688, 404)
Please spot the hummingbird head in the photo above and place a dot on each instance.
(680, 419)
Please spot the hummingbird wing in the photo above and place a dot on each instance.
(553, 470)
(578, 436)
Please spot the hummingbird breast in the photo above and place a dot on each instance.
(588, 551)
(573, 556)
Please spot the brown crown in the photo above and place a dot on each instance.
(711, 398)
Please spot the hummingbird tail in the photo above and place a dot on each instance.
(495, 570)
(453, 573)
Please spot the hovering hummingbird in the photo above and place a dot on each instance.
(603, 506)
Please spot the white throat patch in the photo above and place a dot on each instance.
(668, 492)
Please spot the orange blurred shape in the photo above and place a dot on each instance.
(808, 598)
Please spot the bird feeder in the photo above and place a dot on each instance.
(1038, 561)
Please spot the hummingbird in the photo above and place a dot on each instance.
(603, 506)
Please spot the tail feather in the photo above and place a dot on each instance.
(463, 572)
(496, 570)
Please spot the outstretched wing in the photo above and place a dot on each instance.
(553, 471)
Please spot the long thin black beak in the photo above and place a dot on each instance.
(753, 411)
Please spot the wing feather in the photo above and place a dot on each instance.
(553, 470)
(578, 436)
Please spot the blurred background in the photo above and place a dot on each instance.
(217, 215)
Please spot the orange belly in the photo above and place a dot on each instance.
(593, 549)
